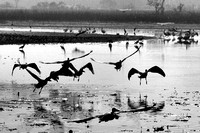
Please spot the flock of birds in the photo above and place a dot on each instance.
(180, 36)
(68, 69)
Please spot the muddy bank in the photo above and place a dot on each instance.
(18, 37)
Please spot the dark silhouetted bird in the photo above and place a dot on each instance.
(65, 30)
(118, 64)
(110, 46)
(23, 53)
(82, 32)
(41, 82)
(24, 66)
(68, 60)
(154, 69)
(21, 47)
(103, 31)
(81, 70)
(63, 48)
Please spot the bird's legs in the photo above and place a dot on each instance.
(40, 90)
(34, 89)
(140, 81)
(146, 80)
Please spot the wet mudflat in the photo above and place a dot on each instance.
(62, 104)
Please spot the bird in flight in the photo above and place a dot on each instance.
(67, 61)
(24, 66)
(81, 70)
(41, 82)
(71, 71)
(118, 65)
(154, 69)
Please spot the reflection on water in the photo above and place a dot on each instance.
(97, 94)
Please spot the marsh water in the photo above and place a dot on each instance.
(107, 88)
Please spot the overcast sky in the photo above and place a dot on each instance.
(94, 4)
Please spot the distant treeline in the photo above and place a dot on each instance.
(99, 16)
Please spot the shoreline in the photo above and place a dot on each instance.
(25, 37)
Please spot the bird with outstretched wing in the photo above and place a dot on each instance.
(118, 64)
(24, 66)
(81, 70)
(68, 60)
(41, 82)
(154, 69)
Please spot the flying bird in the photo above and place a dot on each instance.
(24, 66)
(68, 60)
(71, 71)
(118, 64)
(41, 82)
(81, 70)
(154, 69)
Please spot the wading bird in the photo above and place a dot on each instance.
(154, 69)
(63, 48)
(23, 53)
(103, 31)
(24, 66)
(118, 65)
(21, 47)
(41, 82)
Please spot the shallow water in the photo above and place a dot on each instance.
(97, 94)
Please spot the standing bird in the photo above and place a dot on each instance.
(154, 69)
(41, 82)
(63, 48)
(110, 46)
(118, 65)
(24, 66)
(125, 32)
(21, 47)
(23, 53)
(103, 31)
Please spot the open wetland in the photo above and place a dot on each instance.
(104, 98)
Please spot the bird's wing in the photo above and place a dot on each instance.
(33, 75)
(34, 66)
(111, 63)
(131, 54)
(89, 66)
(156, 69)
(81, 56)
(132, 71)
(16, 65)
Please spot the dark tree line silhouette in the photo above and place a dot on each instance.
(98, 16)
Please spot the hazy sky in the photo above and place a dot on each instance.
(94, 4)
